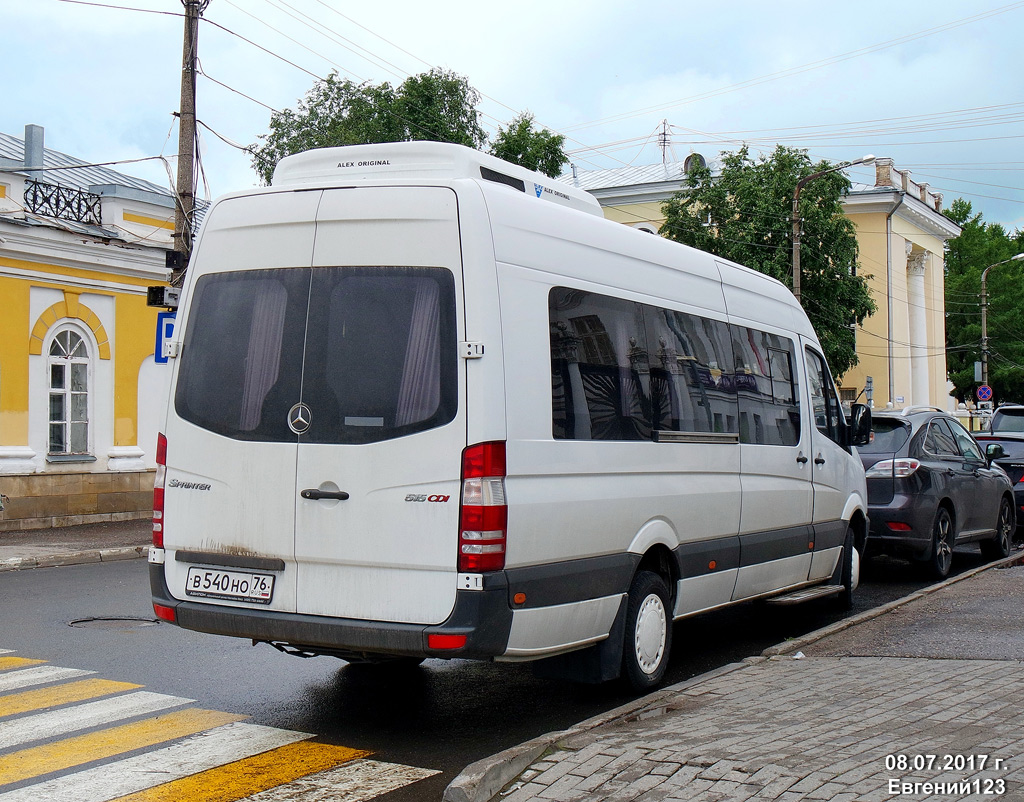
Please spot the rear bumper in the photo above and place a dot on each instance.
(483, 616)
(903, 509)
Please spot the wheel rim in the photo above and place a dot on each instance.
(650, 634)
(943, 542)
(1005, 526)
(854, 569)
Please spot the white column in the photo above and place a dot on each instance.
(918, 315)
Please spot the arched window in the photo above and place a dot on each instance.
(69, 394)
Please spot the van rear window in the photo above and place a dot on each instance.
(370, 351)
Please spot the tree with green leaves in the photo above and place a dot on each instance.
(438, 105)
(980, 245)
(743, 214)
(538, 150)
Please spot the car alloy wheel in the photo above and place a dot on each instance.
(942, 544)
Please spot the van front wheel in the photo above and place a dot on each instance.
(648, 632)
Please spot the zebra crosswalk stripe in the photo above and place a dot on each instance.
(354, 782)
(55, 723)
(199, 755)
(80, 749)
(39, 675)
(206, 750)
(15, 703)
(7, 663)
(243, 778)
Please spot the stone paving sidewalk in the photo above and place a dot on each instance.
(809, 729)
(923, 702)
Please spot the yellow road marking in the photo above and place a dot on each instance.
(17, 662)
(69, 752)
(251, 775)
(40, 698)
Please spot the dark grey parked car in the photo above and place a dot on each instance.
(931, 487)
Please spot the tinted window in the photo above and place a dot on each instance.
(766, 387)
(601, 383)
(381, 353)
(828, 414)
(939, 440)
(1008, 421)
(968, 447)
(242, 357)
(376, 361)
(887, 436)
(691, 385)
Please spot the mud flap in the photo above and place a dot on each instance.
(601, 662)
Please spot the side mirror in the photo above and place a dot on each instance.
(860, 425)
(994, 451)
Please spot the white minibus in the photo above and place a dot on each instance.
(427, 403)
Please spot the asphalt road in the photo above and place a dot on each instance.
(442, 716)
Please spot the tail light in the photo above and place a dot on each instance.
(898, 468)
(483, 515)
(158, 491)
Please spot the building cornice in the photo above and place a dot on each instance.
(882, 200)
(58, 250)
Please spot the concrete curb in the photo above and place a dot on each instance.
(75, 558)
(481, 781)
(795, 644)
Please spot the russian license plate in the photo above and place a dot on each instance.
(216, 583)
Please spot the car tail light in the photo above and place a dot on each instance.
(898, 526)
(897, 468)
(483, 515)
(164, 613)
(158, 491)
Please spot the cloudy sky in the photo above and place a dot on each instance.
(935, 84)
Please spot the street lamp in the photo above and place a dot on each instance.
(796, 214)
(984, 315)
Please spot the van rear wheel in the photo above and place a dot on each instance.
(648, 637)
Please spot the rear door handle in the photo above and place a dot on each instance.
(819, 460)
(315, 495)
(801, 458)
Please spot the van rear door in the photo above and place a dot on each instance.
(378, 471)
(229, 507)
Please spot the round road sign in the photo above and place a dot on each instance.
(984, 392)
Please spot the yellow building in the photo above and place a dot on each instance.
(80, 388)
(901, 232)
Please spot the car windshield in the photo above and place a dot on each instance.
(887, 436)
(1007, 421)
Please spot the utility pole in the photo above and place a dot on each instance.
(185, 189)
(795, 215)
(984, 314)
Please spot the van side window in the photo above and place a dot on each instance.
(691, 386)
(766, 387)
(828, 414)
(600, 373)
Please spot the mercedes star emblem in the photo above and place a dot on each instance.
(299, 418)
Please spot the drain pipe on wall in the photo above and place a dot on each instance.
(888, 293)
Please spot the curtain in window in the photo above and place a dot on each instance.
(263, 357)
(420, 391)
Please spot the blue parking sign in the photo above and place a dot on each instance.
(164, 332)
